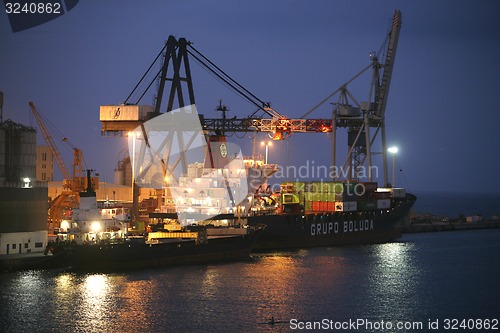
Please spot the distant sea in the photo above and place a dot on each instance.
(454, 204)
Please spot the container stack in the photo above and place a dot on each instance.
(336, 196)
(324, 196)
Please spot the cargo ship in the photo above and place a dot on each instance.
(329, 214)
(95, 244)
(301, 214)
(163, 248)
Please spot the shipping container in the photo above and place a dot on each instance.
(346, 206)
(370, 186)
(314, 196)
(288, 198)
(331, 206)
(344, 197)
(330, 186)
(316, 187)
(380, 195)
(323, 206)
(299, 186)
(337, 187)
(384, 204)
(308, 205)
(367, 205)
(398, 192)
(287, 187)
(315, 206)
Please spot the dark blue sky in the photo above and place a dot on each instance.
(443, 109)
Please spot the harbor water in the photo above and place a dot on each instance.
(423, 278)
(452, 205)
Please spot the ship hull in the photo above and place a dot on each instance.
(138, 254)
(331, 229)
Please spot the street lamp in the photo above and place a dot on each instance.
(134, 136)
(393, 151)
(267, 144)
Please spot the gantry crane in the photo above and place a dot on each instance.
(72, 184)
(358, 117)
(348, 113)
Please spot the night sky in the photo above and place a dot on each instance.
(443, 110)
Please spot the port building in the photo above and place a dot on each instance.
(23, 199)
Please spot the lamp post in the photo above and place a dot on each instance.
(393, 151)
(267, 144)
(132, 158)
(135, 198)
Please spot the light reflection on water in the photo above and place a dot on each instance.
(395, 281)
(394, 277)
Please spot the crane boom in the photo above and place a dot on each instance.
(383, 92)
(52, 145)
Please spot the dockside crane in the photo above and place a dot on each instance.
(175, 60)
(359, 118)
(73, 184)
(348, 113)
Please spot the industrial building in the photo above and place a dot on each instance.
(44, 164)
(23, 199)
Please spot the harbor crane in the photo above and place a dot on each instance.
(359, 118)
(73, 184)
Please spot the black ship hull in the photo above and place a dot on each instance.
(331, 229)
(136, 254)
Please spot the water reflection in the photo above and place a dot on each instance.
(64, 283)
(277, 278)
(394, 279)
(409, 281)
(210, 283)
(94, 292)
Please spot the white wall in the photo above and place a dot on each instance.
(28, 241)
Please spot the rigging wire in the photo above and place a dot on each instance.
(147, 71)
(149, 85)
(225, 80)
(226, 75)
(209, 72)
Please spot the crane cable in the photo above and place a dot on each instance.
(144, 76)
(226, 81)
(245, 93)
(263, 104)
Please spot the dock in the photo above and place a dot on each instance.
(433, 226)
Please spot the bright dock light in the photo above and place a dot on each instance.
(95, 226)
(267, 144)
(393, 150)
